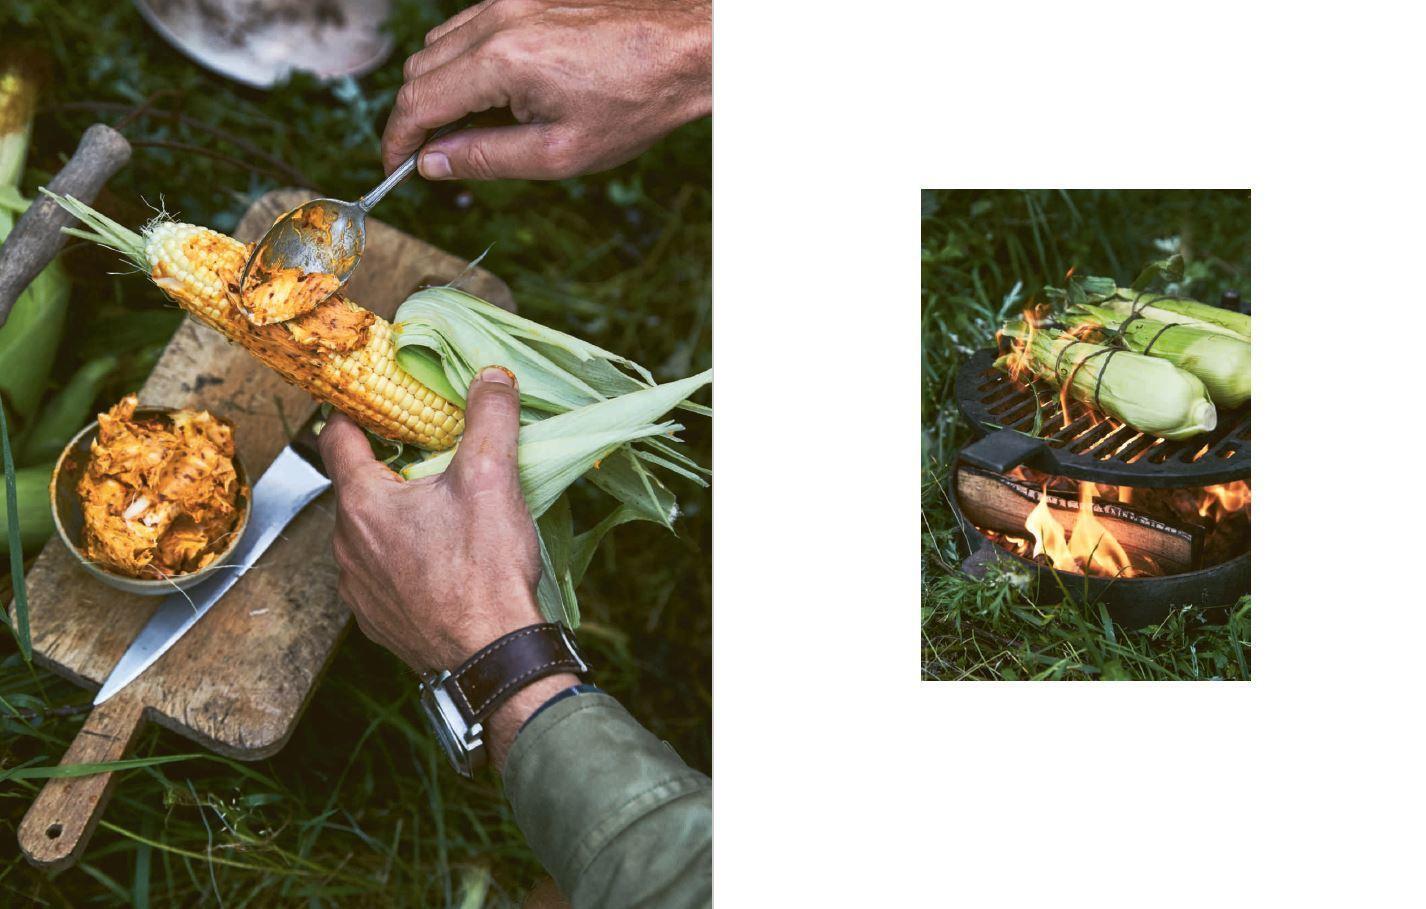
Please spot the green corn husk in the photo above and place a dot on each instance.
(581, 406)
(446, 336)
(1223, 362)
(1151, 395)
(555, 452)
(32, 496)
(30, 336)
(1179, 311)
(19, 88)
(1166, 308)
(67, 412)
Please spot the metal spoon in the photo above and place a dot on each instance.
(334, 248)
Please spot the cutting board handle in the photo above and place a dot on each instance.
(59, 823)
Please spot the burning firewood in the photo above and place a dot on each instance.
(1110, 537)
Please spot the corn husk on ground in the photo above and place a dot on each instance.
(584, 415)
(1151, 395)
(1223, 362)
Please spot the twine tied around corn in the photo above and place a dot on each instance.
(1136, 312)
(1099, 379)
(1116, 337)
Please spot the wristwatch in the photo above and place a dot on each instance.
(459, 702)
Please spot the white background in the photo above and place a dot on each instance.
(841, 779)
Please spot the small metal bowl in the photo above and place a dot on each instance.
(260, 42)
(69, 515)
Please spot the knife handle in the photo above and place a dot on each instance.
(63, 817)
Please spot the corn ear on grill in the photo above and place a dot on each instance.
(339, 352)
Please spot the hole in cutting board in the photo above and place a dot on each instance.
(54, 830)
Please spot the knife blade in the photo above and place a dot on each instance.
(294, 479)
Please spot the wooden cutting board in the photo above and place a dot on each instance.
(238, 681)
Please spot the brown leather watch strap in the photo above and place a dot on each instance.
(509, 664)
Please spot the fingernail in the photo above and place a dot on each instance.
(497, 374)
(435, 166)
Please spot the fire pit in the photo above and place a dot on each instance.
(1096, 510)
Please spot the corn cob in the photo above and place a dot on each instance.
(339, 352)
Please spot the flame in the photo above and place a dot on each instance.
(1092, 543)
(1088, 546)
(1228, 498)
(1021, 348)
(1049, 536)
(1078, 333)
(1016, 544)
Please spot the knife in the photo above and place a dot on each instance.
(295, 478)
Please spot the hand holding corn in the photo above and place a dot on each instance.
(435, 613)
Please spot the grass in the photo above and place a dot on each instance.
(983, 255)
(359, 808)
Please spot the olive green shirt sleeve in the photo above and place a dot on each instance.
(614, 815)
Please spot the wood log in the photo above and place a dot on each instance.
(996, 502)
(36, 237)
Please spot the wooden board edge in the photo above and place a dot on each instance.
(260, 750)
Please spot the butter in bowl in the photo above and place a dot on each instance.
(151, 499)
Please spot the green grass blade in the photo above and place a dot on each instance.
(21, 627)
(143, 864)
(71, 770)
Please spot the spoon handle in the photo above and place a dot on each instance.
(394, 179)
(403, 170)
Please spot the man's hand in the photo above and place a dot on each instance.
(592, 85)
(436, 568)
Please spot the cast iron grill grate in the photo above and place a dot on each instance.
(1092, 446)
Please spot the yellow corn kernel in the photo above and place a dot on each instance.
(357, 372)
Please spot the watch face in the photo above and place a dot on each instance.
(450, 742)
